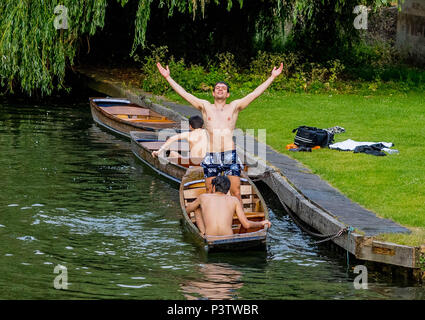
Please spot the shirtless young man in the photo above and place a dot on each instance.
(220, 120)
(197, 138)
(214, 211)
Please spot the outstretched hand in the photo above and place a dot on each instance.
(165, 72)
(276, 72)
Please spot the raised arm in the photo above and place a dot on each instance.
(194, 101)
(166, 145)
(245, 222)
(244, 102)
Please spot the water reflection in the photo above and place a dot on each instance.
(219, 282)
(99, 136)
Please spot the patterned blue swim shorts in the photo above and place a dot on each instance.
(227, 163)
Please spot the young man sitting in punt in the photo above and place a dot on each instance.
(214, 211)
(197, 138)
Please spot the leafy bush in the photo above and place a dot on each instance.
(152, 80)
(373, 72)
(227, 67)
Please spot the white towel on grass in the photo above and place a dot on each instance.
(350, 145)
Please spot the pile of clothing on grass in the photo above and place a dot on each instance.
(311, 138)
(373, 148)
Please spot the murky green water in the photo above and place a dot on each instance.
(74, 195)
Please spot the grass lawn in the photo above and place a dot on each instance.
(391, 186)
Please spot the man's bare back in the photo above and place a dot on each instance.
(214, 211)
(198, 143)
(217, 213)
(197, 138)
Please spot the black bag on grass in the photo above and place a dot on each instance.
(311, 136)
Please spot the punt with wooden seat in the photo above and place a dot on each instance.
(255, 208)
(121, 116)
(142, 145)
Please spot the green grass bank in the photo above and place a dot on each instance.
(391, 186)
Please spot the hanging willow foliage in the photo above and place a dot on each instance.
(34, 54)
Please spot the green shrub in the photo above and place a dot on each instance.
(227, 66)
(152, 81)
(213, 76)
(265, 61)
(371, 73)
(336, 70)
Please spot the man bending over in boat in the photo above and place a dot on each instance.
(220, 120)
(214, 211)
(197, 138)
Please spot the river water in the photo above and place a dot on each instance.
(73, 195)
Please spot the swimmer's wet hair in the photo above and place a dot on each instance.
(221, 183)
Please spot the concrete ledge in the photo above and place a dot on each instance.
(362, 247)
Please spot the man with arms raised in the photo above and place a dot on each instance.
(220, 120)
(214, 211)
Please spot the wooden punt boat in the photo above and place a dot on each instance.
(121, 116)
(193, 184)
(143, 143)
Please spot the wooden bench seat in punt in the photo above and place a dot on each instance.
(126, 110)
(250, 200)
(248, 197)
(253, 216)
(186, 162)
(193, 193)
(156, 145)
(156, 125)
(159, 121)
(236, 228)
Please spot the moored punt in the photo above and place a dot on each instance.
(143, 143)
(193, 185)
(121, 116)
